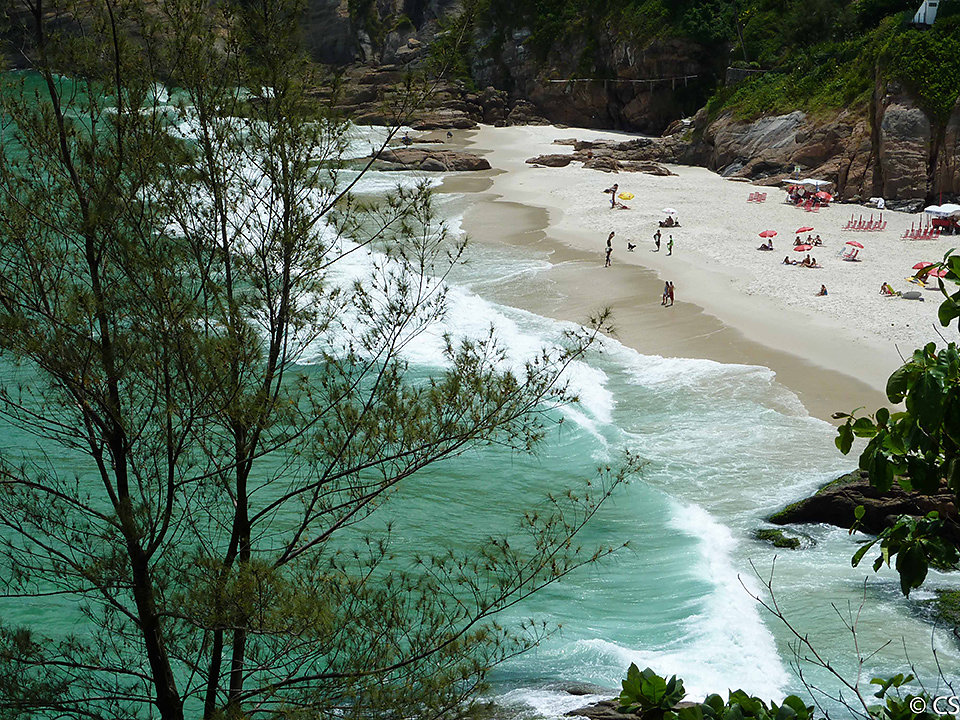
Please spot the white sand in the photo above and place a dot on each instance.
(853, 330)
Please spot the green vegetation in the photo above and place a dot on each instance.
(648, 694)
(653, 697)
(946, 606)
(210, 513)
(777, 538)
(918, 448)
(819, 55)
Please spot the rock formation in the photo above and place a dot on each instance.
(835, 503)
(432, 160)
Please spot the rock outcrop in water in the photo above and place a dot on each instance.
(834, 504)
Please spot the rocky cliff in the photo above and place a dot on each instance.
(894, 150)
(603, 81)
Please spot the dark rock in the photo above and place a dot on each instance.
(433, 160)
(578, 689)
(433, 165)
(834, 504)
(650, 168)
(603, 163)
(607, 710)
(777, 538)
(551, 160)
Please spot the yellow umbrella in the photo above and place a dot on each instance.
(625, 196)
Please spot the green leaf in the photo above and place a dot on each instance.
(864, 427)
(859, 512)
(948, 311)
(925, 401)
(858, 555)
(897, 383)
(883, 416)
(844, 439)
(912, 566)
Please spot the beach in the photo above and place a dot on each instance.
(735, 304)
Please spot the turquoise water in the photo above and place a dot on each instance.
(724, 445)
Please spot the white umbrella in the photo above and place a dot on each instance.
(669, 211)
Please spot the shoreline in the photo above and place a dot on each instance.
(830, 365)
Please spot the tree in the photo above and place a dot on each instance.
(918, 448)
(165, 268)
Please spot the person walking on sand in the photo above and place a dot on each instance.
(670, 245)
(613, 196)
(670, 294)
(656, 240)
(606, 262)
(610, 239)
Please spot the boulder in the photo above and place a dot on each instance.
(432, 160)
(834, 504)
(603, 163)
(551, 160)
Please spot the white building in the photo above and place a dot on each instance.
(927, 13)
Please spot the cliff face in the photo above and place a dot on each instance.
(625, 88)
(396, 33)
(895, 151)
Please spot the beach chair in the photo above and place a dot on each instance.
(752, 197)
(761, 197)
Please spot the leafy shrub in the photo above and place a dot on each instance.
(741, 706)
(647, 693)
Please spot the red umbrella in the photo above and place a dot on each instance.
(855, 244)
(768, 233)
(805, 228)
(823, 195)
(802, 248)
(940, 272)
(922, 264)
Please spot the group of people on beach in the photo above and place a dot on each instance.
(667, 299)
(806, 262)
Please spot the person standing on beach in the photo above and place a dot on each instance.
(613, 196)
(610, 239)
(656, 240)
(670, 294)
(606, 262)
(666, 293)
(670, 245)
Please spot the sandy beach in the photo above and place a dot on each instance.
(735, 304)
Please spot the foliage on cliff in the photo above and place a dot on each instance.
(816, 54)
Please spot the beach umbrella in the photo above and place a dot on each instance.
(625, 196)
(802, 248)
(805, 228)
(922, 264)
(855, 244)
(768, 233)
(939, 272)
(669, 211)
